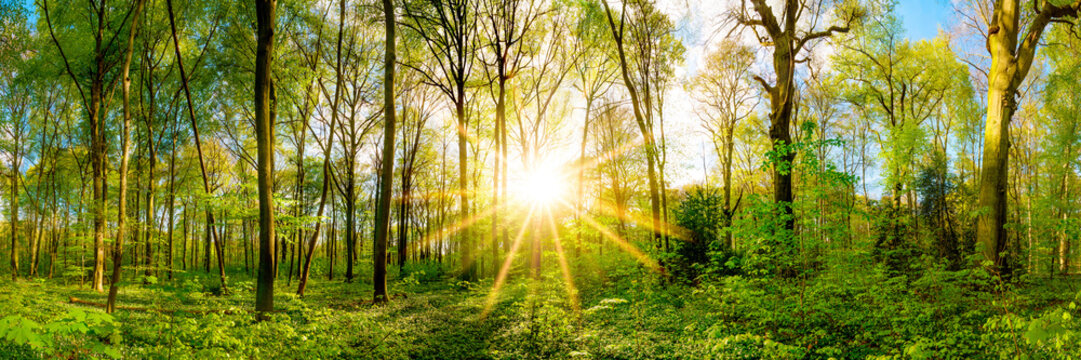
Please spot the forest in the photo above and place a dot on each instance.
(540, 179)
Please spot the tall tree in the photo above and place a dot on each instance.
(382, 211)
(99, 77)
(264, 133)
(507, 24)
(121, 209)
(211, 231)
(638, 77)
(1011, 60)
(449, 30)
(789, 33)
(594, 77)
(726, 98)
(14, 36)
(1061, 98)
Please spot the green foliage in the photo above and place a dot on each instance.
(74, 333)
(770, 248)
(700, 214)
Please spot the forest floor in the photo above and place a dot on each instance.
(617, 315)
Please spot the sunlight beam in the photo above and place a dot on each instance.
(568, 279)
(505, 269)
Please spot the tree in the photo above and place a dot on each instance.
(357, 120)
(98, 78)
(1061, 101)
(416, 105)
(449, 30)
(655, 54)
(313, 60)
(14, 36)
(898, 85)
(539, 84)
(118, 247)
(211, 231)
(594, 77)
(382, 212)
(264, 132)
(726, 98)
(1011, 60)
(640, 105)
(508, 24)
(789, 33)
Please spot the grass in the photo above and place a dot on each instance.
(623, 312)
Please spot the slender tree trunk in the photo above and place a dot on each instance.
(198, 143)
(1064, 240)
(469, 269)
(728, 210)
(581, 183)
(14, 225)
(172, 203)
(382, 212)
(150, 188)
(118, 247)
(647, 132)
(264, 128)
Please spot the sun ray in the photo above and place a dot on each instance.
(595, 161)
(454, 228)
(623, 244)
(568, 279)
(505, 269)
(646, 222)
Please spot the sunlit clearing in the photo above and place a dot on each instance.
(541, 186)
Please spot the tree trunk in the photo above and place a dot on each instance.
(264, 128)
(172, 203)
(14, 225)
(647, 132)
(198, 143)
(469, 269)
(118, 247)
(382, 217)
(1010, 63)
(151, 152)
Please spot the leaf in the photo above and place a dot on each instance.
(1036, 332)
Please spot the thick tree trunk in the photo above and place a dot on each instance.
(1010, 63)
(98, 186)
(350, 230)
(500, 163)
(781, 102)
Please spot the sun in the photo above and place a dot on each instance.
(541, 186)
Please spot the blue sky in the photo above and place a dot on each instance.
(922, 18)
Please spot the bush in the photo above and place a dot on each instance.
(701, 216)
